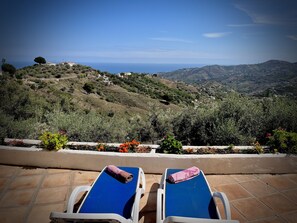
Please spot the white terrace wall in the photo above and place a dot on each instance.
(150, 162)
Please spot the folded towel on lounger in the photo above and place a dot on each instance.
(184, 175)
(121, 175)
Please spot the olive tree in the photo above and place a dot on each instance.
(40, 60)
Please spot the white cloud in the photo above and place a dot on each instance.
(292, 37)
(170, 39)
(242, 25)
(264, 12)
(216, 35)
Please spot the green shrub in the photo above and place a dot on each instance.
(89, 87)
(8, 68)
(91, 126)
(283, 141)
(53, 141)
(170, 145)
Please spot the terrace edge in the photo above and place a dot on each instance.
(150, 162)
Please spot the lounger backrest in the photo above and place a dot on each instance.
(191, 198)
(109, 195)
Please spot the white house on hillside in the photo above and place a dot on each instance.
(69, 63)
(124, 74)
(50, 64)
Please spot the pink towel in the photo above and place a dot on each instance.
(119, 174)
(184, 175)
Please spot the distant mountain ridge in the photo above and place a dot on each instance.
(273, 76)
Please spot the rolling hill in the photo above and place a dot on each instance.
(84, 88)
(271, 77)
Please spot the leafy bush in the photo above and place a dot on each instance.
(170, 145)
(89, 87)
(91, 126)
(53, 141)
(8, 68)
(283, 141)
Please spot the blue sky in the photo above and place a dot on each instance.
(151, 31)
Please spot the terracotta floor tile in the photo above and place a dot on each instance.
(244, 178)
(291, 195)
(13, 215)
(3, 182)
(252, 209)
(290, 217)
(41, 213)
(148, 202)
(53, 171)
(52, 195)
(260, 176)
(235, 215)
(216, 180)
(147, 217)
(279, 203)
(8, 171)
(271, 220)
(31, 171)
(25, 182)
(158, 177)
(56, 180)
(258, 188)
(151, 184)
(233, 191)
(292, 177)
(15, 198)
(84, 177)
(279, 182)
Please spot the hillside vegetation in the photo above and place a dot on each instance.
(91, 105)
(269, 78)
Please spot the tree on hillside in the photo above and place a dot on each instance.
(40, 60)
(88, 87)
(8, 68)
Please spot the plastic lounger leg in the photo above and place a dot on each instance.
(160, 205)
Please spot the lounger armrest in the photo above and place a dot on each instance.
(85, 217)
(73, 196)
(142, 180)
(135, 211)
(226, 204)
(160, 205)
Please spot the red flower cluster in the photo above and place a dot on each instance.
(125, 147)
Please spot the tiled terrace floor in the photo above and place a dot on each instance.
(29, 195)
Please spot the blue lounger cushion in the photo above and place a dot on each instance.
(109, 195)
(179, 197)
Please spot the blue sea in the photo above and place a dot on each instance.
(139, 67)
(126, 67)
